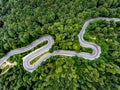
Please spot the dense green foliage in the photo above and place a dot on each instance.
(23, 21)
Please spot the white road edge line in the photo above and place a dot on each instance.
(26, 60)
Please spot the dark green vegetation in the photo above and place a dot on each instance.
(23, 21)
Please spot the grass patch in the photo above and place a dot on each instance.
(4, 70)
(37, 58)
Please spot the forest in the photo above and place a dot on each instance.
(23, 21)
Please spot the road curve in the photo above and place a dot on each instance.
(26, 60)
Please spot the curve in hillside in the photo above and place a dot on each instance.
(26, 60)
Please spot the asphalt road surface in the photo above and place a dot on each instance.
(27, 59)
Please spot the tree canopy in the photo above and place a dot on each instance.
(23, 21)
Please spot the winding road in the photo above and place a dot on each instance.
(28, 58)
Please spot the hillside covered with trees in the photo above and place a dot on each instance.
(23, 21)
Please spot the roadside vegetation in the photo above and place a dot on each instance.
(23, 21)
